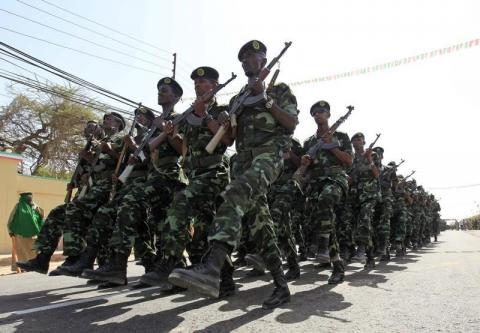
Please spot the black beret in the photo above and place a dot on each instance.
(320, 104)
(118, 116)
(146, 112)
(359, 134)
(172, 83)
(392, 164)
(205, 72)
(378, 149)
(26, 193)
(91, 122)
(253, 45)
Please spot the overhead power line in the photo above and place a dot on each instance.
(22, 56)
(106, 27)
(80, 51)
(50, 91)
(84, 39)
(97, 32)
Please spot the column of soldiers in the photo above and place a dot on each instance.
(184, 211)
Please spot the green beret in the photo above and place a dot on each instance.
(146, 112)
(206, 73)
(359, 134)
(172, 83)
(320, 104)
(253, 45)
(119, 118)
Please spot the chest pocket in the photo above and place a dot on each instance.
(264, 121)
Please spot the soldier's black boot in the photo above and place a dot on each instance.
(114, 271)
(359, 254)
(338, 273)
(159, 275)
(370, 264)
(204, 278)
(293, 272)
(302, 253)
(38, 264)
(435, 238)
(399, 249)
(227, 285)
(281, 293)
(386, 256)
(86, 260)
(255, 261)
(323, 252)
(68, 262)
(345, 253)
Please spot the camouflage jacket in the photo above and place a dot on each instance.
(196, 139)
(165, 160)
(325, 165)
(106, 164)
(257, 128)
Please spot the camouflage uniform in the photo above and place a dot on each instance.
(164, 176)
(368, 194)
(194, 207)
(104, 222)
(345, 220)
(327, 187)
(281, 201)
(80, 212)
(400, 215)
(260, 143)
(384, 208)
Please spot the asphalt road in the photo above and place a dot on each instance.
(436, 289)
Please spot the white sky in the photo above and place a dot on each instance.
(425, 111)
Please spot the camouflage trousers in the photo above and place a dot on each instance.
(281, 203)
(191, 214)
(323, 196)
(363, 230)
(381, 221)
(398, 222)
(79, 215)
(299, 222)
(101, 228)
(345, 221)
(49, 236)
(246, 193)
(155, 193)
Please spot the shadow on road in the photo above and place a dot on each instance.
(113, 315)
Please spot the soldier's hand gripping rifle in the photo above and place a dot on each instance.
(189, 113)
(97, 152)
(302, 169)
(73, 181)
(234, 110)
(121, 159)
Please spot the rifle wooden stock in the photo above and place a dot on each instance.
(210, 148)
(68, 196)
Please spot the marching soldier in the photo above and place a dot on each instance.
(264, 130)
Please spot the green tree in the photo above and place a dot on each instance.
(46, 128)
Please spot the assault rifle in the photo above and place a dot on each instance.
(73, 180)
(312, 152)
(120, 161)
(235, 109)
